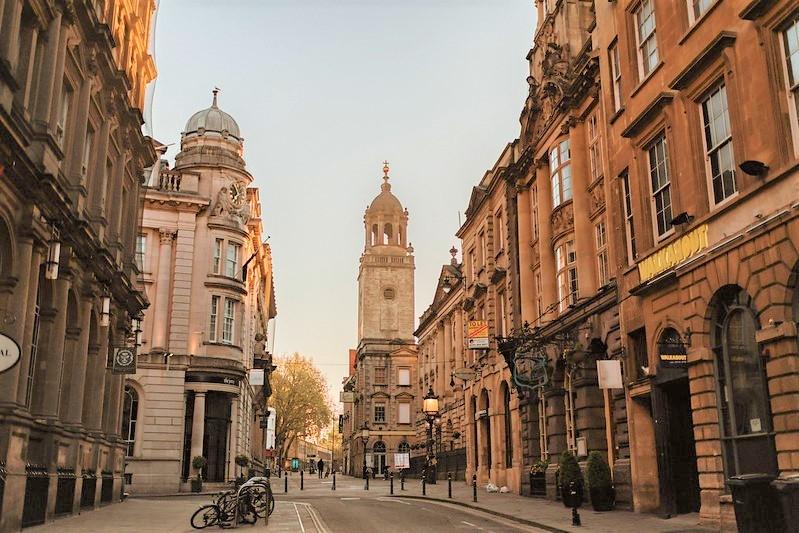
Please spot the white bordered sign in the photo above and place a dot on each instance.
(9, 353)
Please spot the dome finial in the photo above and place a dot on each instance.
(215, 91)
(386, 185)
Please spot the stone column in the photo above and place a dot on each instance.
(440, 356)
(198, 425)
(47, 73)
(27, 55)
(583, 228)
(50, 358)
(447, 363)
(235, 422)
(548, 270)
(10, 38)
(113, 420)
(164, 276)
(58, 81)
(95, 384)
(98, 174)
(19, 306)
(29, 323)
(79, 133)
(526, 279)
(74, 414)
(71, 347)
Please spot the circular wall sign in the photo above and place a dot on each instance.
(9, 353)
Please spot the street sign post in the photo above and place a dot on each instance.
(124, 361)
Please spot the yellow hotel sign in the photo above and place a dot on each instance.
(675, 253)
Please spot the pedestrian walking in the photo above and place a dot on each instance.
(321, 466)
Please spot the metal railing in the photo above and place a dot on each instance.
(88, 489)
(65, 491)
(36, 487)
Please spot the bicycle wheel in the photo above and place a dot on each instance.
(207, 515)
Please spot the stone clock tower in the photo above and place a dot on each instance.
(385, 277)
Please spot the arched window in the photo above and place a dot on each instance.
(130, 415)
(404, 447)
(742, 389)
(379, 447)
(508, 430)
(375, 235)
(387, 233)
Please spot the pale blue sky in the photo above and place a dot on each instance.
(324, 91)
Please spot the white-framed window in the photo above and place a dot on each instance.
(473, 264)
(141, 251)
(615, 74)
(603, 268)
(534, 211)
(232, 259)
(697, 8)
(404, 376)
(661, 186)
(539, 298)
(566, 261)
(229, 321)
(63, 116)
(645, 37)
(483, 250)
(629, 226)
(217, 260)
(214, 318)
(88, 149)
(790, 49)
(404, 413)
(500, 244)
(380, 412)
(561, 173)
(594, 154)
(130, 417)
(718, 145)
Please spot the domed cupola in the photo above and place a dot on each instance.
(213, 122)
(385, 219)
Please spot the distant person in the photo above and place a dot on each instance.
(321, 466)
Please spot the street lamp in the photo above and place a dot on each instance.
(364, 440)
(430, 408)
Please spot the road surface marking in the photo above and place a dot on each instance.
(473, 525)
(350, 498)
(395, 500)
(299, 519)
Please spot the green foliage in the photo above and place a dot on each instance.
(598, 472)
(539, 467)
(198, 462)
(569, 469)
(242, 460)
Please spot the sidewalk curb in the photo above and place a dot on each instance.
(169, 495)
(484, 510)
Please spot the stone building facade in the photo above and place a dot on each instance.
(442, 351)
(493, 436)
(385, 398)
(702, 136)
(72, 81)
(208, 277)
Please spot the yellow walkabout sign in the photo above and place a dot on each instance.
(675, 253)
(477, 335)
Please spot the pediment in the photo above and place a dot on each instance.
(380, 394)
(404, 396)
(478, 194)
(404, 351)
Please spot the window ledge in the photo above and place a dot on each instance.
(698, 22)
(646, 78)
(615, 116)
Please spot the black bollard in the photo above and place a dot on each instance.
(575, 492)
(474, 487)
(424, 486)
(286, 484)
(367, 482)
(402, 480)
(391, 482)
(334, 480)
(302, 479)
(449, 484)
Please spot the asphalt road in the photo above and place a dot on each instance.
(317, 509)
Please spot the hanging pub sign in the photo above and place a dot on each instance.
(9, 353)
(124, 360)
(477, 335)
(672, 354)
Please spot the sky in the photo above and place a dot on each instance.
(323, 92)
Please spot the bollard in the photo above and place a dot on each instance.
(474, 487)
(334, 480)
(367, 482)
(424, 486)
(391, 482)
(302, 479)
(449, 484)
(402, 481)
(285, 484)
(576, 496)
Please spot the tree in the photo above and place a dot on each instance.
(299, 396)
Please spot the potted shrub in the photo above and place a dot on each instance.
(571, 480)
(600, 484)
(198, 463)
(538, 484)
(242, 461)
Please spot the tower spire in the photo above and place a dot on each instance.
(386, 185)
(215, 91)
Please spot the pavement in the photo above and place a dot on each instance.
(351, 509)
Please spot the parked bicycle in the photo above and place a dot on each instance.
(253, 500)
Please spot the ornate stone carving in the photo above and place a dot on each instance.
(562, 220)
(596, 194)
(555, 69)
(166, 235)
(224, 205)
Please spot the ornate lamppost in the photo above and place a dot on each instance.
(364, 440)
(430, 408)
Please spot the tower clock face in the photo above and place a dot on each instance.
(236, 194)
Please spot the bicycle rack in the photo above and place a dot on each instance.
(251, 483)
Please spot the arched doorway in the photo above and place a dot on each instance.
(379, 456)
